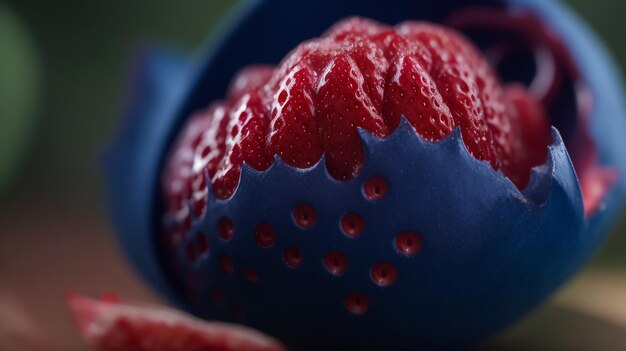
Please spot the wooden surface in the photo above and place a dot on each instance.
(588, 314)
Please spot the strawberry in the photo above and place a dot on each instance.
(360, 74)
(109, 325)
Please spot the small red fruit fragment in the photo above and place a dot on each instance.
(595, 182)
(114, 326)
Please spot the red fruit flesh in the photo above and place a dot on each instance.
(110, 325)
(360, 74)
(533, 127)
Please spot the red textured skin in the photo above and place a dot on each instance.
(358, 74)
(110, 325)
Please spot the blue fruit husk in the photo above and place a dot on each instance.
(490, 251)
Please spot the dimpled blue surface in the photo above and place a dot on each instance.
(490, 253)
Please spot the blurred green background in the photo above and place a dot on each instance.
(85, 48)
(76, 57)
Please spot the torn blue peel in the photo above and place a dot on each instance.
(132, 163)
(607, 123)
(490, 251)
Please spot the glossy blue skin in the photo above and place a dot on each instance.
(490, 252)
